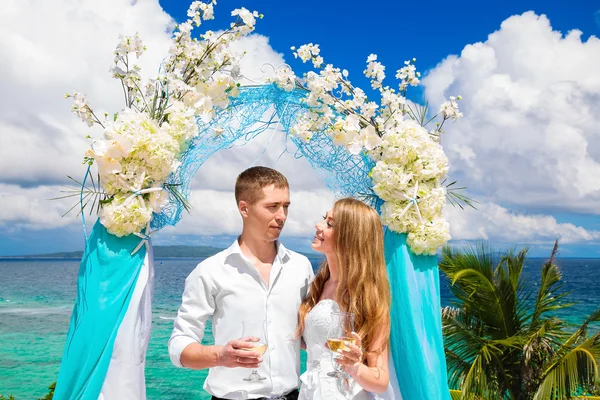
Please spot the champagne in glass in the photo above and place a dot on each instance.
(339, 337)
(255, 328)
(338, 344)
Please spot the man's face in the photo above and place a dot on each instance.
(265, 218)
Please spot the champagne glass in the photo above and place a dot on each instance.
(339, 336)
(255, 328)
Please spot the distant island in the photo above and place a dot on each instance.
(159, 252)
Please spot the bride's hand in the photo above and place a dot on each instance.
(353, 357)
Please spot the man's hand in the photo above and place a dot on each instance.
(238, 353)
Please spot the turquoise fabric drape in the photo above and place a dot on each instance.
(417, 346)
(107, 277)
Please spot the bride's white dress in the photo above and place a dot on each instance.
(316, 385)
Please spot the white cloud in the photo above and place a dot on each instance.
(63, 46)
(31, 208)
(532, 109)
(493, 222)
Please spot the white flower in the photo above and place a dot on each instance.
(351, 123)
(202, 105)
(317, 61)
(376, 71)
(307, 51)
(449, 109)
(302, 130)
(124, 215)
(426, 238)
(82, 109)
(432, 201)
(392, 100)
(106, 164)
(157, 200)
(129, 44)
(366, 139)
(199, 11)
(408, 75)
(181, 124)
(390, 180)
(285, 79)
(393, 217)
(248, 18)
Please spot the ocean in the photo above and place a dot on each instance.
(37, 296)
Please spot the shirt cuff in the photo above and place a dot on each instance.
(176, 346)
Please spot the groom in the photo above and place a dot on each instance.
(255, 278)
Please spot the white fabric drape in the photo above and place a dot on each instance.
(125, 376)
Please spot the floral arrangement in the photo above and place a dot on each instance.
(411, 166)
(141, 145)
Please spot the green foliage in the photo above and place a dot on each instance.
(504, 341)
(48, 396)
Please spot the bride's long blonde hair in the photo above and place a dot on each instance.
(363, 287)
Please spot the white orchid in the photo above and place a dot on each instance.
(449, 109)
(82, 109)
(284, 78)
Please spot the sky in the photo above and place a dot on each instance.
(528, 148)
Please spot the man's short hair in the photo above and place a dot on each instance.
(250, 183)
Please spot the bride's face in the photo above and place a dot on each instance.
(323, 241)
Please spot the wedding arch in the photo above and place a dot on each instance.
(380, 153)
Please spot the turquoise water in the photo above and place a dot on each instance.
(36, 298)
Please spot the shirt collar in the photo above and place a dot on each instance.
(283, 254)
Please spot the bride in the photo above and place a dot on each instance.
(353, 279)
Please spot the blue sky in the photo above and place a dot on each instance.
(348, 31)
(528, 148)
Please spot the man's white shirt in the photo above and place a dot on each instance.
(228, 289)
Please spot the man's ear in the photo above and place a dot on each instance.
(243, 208)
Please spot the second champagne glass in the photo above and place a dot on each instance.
(338, 338)
(255, 328)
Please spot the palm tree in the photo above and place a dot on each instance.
(504, 341)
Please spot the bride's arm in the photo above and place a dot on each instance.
(373, 375)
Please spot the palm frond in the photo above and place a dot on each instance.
(457, 368)
(546, 340)
(549, 296)
(456, 198)
(581, 332)
(481, 289)
(85, 195)
(455, 395)
(572, 372)
(481, 380)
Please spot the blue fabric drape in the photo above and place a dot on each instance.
(417, 347)
(107, 277)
